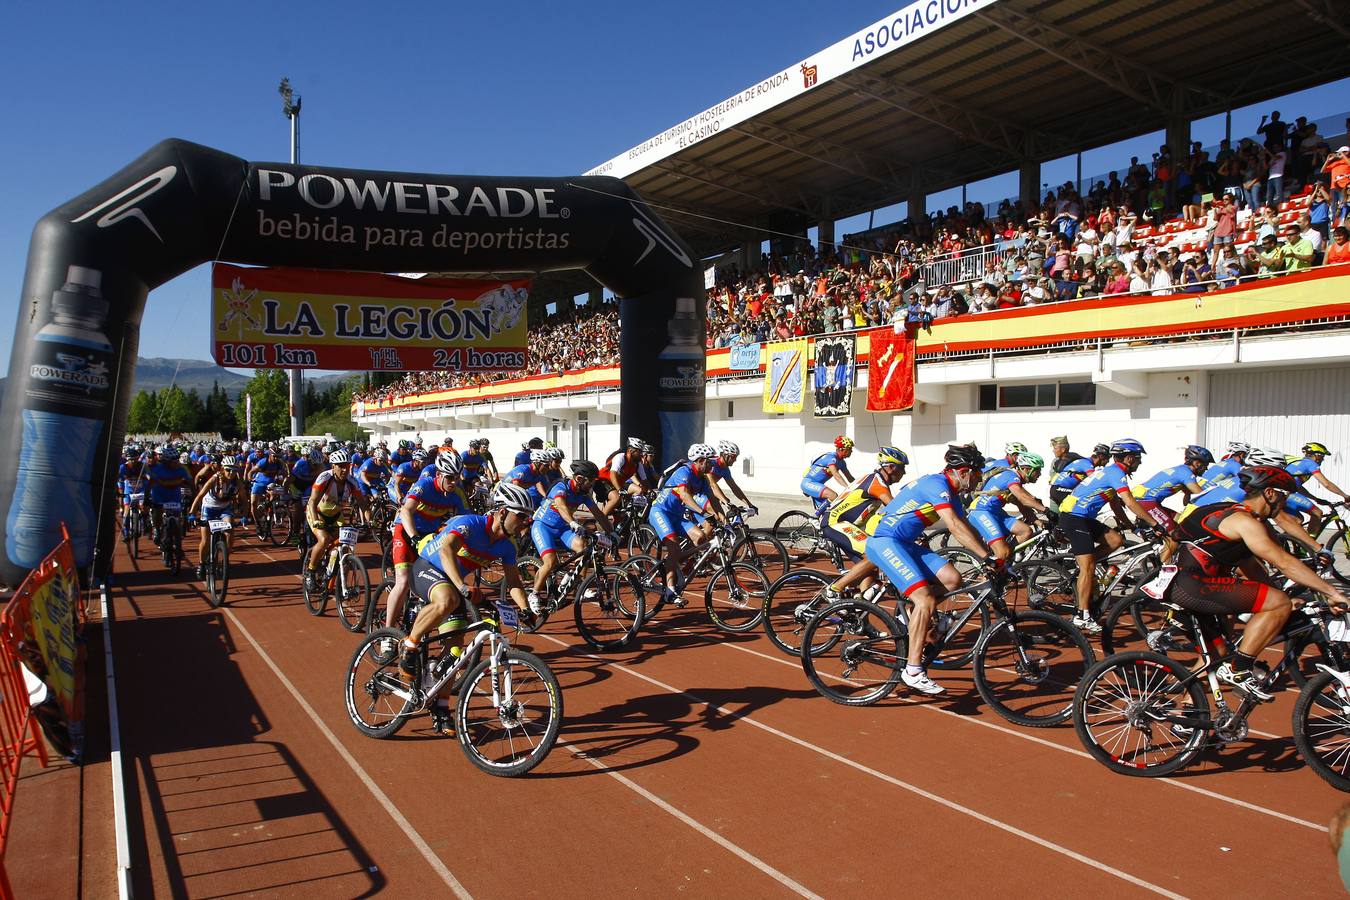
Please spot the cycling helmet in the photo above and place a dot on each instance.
(892, 456)
(1127, 445)
(1236, 448)
(636, 443)
(168, 453)
(129, 452)
(539, 456)
(533, 443)
(511, 497)
(584, 468)
(701, 451)
(550, 445)
(229, 462)
(554, 454)
(1014, 448)
(404, 444)
(645, 447)
(728, 448)
(447, 464)
(1030, 460)
(419, 455)
(1316, 447)
(475, 444)
(486, 442)
(963, 456)
(1260, 456)
(1196, 452)
(338, 458)
(1101, 450)
(843, 442)
(1260, 477)
(381, 454)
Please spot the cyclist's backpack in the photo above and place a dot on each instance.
(669, 471)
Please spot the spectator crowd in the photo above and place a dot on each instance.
(1275, 204)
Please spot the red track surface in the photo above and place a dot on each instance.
(695, 762)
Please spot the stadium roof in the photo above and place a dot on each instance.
(945, 92)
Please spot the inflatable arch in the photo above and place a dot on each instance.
(93, 260)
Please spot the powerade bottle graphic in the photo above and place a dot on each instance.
(67, 395)
(680, 396)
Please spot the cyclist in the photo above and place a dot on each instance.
(618, 474)
(334, 488)
(555, 526)
(727, 452)
(405, 475)
(1072, 474)
(429, 503)
(851, 520)
(528, 475)
(831, 465)
(1225, 536)
(217, 499)
(131, 480)
(262, 474)
(472, 464)
(1011, 451)
(527, 449)
(1003, 486)
(1231, 464)
(463, 545)
(917, 572)
(1161, 485)
(373, 473)
(167, 479)
(683, 500)
(489, 464)
(402, 454)
(552, 473)
(300, 481)
(1310, 466)
(1089, 539)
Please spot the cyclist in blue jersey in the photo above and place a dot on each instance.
(373, 473)
(300, 482)
(727, 453)
(1236, 458)
(918, 573)
(827, 466)
(1005, 485)
(527, 450)
(131, 480)
(402, 454)
(1089, 539)
(1184, 478)
(167, 479)
(1072, 473)
(528, 475)
(1011, 451)
(472, 465)
(682, 504)
(463, 545)
(1310, 466)
(1225, 488)
(405, 475)
(555, 526)
(261, 475)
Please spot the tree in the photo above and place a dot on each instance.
(271, 404)
(219, 416)
(142, 414)
(179, 411)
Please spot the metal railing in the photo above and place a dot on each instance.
(968, 264)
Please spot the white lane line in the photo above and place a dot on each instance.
(380, 796)
(1023, 735)
(889, 779)
(698, 826)
(121, 833)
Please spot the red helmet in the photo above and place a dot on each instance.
(843, 442)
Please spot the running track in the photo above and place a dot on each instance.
(695, 763)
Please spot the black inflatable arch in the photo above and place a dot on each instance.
(92, 262)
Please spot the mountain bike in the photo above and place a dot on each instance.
(1051, 581)
(135, 523)
(608, 603)
(1334, 539)
(734, 595)
(1026, 664)
(1322, 723)
(1144, 713)
(171, 536)
(344, 578)
(217, 561)
(509, 706)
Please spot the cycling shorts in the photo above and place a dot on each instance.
(1217, 596)
(908, 566)
(1299, 503)
(813, 489)
(551, 540)
(1057, 495)
(1084, 534)
(402, 551)
(259, 488)
(426, 576)
(212, 513)
(993, 525)
(665, 522)
(321, 522)
(847, 537)
(1161, 514)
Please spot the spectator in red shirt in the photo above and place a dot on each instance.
(1338, 251)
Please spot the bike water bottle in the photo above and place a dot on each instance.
(680, 396)
(60, 425)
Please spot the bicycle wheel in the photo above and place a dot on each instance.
(642, 539)
(280, 530)
(352, 593)
(1339, 548)
(1137, 714)
(797, 531)
(511, 735)
(870, 655)
(1050, 585)
(1314, 651)
(790, 604)
(651, 577)
(528, 567)
(378, 695)
(765, 553)
(1028, 666)
(173, 550)
(316, 600)
(608, 608)
(734, 597)
(1138, 622)
(377, 606)
(218, 571)
(958, 648)
(1322, 729)
(969, 566)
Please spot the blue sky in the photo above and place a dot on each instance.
(484, 88)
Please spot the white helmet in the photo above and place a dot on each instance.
(447, 464)
(554, 454)
(1235, 447)
(511, 497)
(539, 456)
(1261, 456)
(701, 451)
(338, 457)
(728, 448)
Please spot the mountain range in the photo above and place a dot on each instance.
(159, 372)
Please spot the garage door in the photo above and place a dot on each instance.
(1284, 409)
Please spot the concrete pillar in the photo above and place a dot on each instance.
(917, 204)
(596, 297)
(750, 254)
(1179, 136)
(1029, 182)
(825, 236)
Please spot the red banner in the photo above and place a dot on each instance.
(890, 371)
(311, 319)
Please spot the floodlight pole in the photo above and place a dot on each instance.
(295, 378)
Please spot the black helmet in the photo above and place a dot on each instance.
(963, 456)
(585, 469)
(1195, 452)
(533, 443)
(1101, 450)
